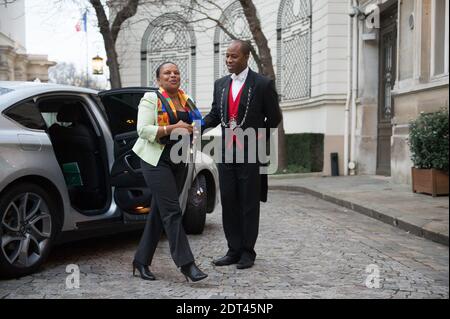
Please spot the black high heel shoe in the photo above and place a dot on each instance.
(144, 271)
(192, 272)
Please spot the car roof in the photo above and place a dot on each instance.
(15, 91)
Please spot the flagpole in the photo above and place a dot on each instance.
(87, 48)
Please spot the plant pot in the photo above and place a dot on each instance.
(429, 181)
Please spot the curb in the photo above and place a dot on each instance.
(295, 175)
(413, 229)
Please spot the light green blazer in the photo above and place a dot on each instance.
(146, 147)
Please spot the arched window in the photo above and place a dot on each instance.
(169, 38)
(234, 20)
(294, 49)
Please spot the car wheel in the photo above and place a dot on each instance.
(28, 226)
(195, 215)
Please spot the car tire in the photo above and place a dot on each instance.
(195, 216)
(27, 232)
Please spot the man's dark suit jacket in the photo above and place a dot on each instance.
(264, 109)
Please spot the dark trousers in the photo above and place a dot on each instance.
(165, 182)
(240, 195)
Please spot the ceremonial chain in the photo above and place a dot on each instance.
(245, 114)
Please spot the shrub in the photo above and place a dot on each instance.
(306, 151)
(428, 140)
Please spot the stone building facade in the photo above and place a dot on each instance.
(401, 68)
(307, 41)
(15, 63)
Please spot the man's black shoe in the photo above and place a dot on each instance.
(245, 264)
(226, 261)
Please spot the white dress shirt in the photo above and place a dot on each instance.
(238, 82)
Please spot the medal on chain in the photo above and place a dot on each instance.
(232, 124)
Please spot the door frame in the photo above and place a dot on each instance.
(122, 174)
(87, 107)
(386, 27)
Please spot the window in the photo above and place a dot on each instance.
(233, 18)
(294, 32)
(26, 114)
(169, 38)
(51, 118)
(54, 109)
(121, 110)
(439, 36)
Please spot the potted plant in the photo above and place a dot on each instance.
(428, 141)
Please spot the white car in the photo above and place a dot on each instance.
(67, 171)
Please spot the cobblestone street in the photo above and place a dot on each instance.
(307, 248)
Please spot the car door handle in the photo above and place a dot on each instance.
(127, 163)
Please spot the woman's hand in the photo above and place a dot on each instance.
(183, 128)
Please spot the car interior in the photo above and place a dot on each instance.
(79, 150)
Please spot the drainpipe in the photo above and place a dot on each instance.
(355, 58)
(349, 89)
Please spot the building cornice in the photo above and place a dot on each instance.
(317, 101)
(436, 83)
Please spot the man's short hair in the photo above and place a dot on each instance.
(245, 46)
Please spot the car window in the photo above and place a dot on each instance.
(50, 118)
(121, 110)
(26, 114)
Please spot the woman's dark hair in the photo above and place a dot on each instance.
(158, 70)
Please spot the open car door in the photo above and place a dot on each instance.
(131, 193)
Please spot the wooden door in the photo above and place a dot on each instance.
(387, 76)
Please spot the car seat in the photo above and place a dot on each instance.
(78, 143)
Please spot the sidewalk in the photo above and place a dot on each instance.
(378, 198)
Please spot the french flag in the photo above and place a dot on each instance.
(82, 24)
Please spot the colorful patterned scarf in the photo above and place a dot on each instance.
(186, 101)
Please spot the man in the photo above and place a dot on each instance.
(242, 100)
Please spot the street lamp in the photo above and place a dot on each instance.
(97, 65)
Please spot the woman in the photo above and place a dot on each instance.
(159, 115)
